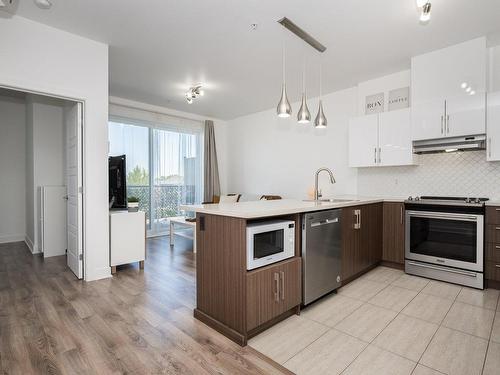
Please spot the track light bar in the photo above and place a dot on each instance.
(286, 23)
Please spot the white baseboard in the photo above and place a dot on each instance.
(30, 245)
(12, 238)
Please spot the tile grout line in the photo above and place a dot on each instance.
(432, 338)
(491, 332)
(370, 343)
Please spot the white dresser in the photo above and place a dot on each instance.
(127, 238)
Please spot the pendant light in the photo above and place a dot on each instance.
(284, 108)
(320, 122)
(304, 116)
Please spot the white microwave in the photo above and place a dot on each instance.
(269, 242)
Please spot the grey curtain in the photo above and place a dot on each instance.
(211, 169)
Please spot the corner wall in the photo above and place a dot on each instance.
(12, 169)
(43, 59)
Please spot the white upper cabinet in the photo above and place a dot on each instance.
(448, 91)
(363, 141)
(395, 145)
(493, 139)
(380, 139)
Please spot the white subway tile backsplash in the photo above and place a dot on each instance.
(453, 174)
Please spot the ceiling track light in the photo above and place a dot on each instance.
(194, 92)
(43, 4)
(425, 16)
(4, 3)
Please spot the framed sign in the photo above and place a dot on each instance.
(374, 103)
(399, 98)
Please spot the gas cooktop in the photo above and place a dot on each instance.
(447, 201)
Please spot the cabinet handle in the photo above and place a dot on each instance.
(442, 122)
(282, 285)
(375, 155)
(497, 228)
(277, 292)
(447, 124)
(497, 209)
(401, 215)
(497, 247)
(357, 215)
(489, 147)
(379, 155)
(497, 265)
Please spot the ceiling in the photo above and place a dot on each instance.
(158, 48)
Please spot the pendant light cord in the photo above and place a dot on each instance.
(320, 79)
(283, 58)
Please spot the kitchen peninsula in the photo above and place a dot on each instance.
(241, 303)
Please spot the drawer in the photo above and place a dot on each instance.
(493, 271)
(493, 233)
(493, 215)
(493, 252)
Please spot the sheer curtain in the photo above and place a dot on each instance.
(177, 173)
(174, 161)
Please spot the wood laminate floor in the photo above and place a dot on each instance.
(138, 322)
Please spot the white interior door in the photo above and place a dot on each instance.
(74, 122)
(363, 141)
(54, 239)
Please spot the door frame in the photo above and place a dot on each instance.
(83, 143)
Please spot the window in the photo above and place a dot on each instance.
(164, 167)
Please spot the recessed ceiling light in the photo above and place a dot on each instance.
(43, 4)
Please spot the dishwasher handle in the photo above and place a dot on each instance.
(324, 222)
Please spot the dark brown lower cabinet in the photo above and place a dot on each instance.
(273, 290)
(361, 239)
(492, 247)
(394, 233)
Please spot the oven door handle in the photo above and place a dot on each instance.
(451, 270)
(434, 215)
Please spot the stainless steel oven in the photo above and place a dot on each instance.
(445, 241)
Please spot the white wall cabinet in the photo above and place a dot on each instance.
(441, 106)
(363, 141)
(381, 140)
(493, 137)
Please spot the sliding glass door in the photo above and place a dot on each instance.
(164, 168)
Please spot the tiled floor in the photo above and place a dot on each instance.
(387, 322)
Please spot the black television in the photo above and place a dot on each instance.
(117, 182)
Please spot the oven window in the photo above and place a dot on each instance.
(450, 239)
(268, 243)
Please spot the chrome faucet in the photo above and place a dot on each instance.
(317, 193)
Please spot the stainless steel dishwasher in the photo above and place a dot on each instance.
(321, 253)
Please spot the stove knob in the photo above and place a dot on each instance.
(410, 198)
(417, 198)
(468, 200)
(478, 200)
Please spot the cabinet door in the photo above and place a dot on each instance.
(290, 284)
(395, 145)
(493, 127)
(466, 115)
(440, 74)
(263, 300)
(350, 243)
(393, 233)
(427, 119)
(370, 247)
(363, 141)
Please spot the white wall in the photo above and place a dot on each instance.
(12, 169)
(45, 157)
(43, 59)
(271, 155)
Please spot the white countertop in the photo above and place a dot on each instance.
(257, 209)
(493, 202)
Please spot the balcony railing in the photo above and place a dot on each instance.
(167, 199)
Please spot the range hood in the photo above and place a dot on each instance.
(432, 146)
